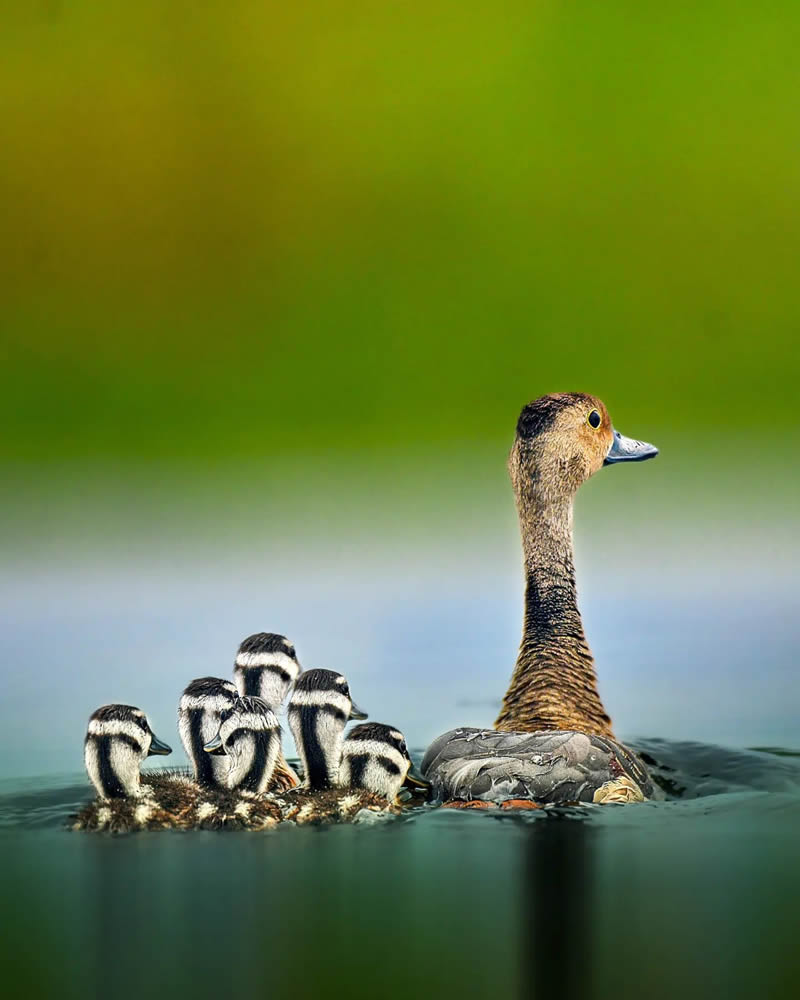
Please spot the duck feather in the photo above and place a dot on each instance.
(545, 766)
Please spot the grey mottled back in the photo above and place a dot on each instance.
(548, 766)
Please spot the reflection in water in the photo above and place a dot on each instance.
(696, 897)
(557, 902)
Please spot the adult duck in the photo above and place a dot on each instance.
(553, 740)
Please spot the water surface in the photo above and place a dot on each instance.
(695, 896)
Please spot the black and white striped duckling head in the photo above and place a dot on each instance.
(375, 759)
(266, 666)
(200, 712)
(319, 709)
(249, 737)
(118, 739)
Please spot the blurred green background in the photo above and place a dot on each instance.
(276, 281)
(244, 230)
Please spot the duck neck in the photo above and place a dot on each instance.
(554, 685)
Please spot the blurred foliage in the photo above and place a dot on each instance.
(243, 228)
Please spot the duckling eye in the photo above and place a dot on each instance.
(594, 419)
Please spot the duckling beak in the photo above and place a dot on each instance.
(158, 748)
(625, 449)
(356, 713)
(215, 746)
(416, 780)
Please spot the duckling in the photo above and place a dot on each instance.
(375, 759)
(319, 709)
(199, 711)
(250, 735)
(266, 666)
(118, 739)
(250, 738)
(553, 739)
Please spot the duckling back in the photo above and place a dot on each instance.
(201, 706)
(249, 740)
(319, 709)
(375, 759)
(118, 738)
(266, 667)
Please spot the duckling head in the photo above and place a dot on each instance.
(319, 709)
(118, 739)
(249, 737)
(266, 667)
(200, 710)
(375, 759)
(563, 439)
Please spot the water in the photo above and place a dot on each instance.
(694, 896)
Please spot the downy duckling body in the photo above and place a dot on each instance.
(200, 710)
(266, 667)
(249, 739)
(319, 709)
(360, 788)
(375, 759)
(118, 739)
(553, 739)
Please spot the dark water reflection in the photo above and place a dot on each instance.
(558, 906)
(696, 896)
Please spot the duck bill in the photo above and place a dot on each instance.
(215, 746)
(356, 713)
(625, 449)
(158, 748)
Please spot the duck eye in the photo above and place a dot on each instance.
(594, 419)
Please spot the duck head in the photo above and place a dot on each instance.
(319, 709)
(563, 439)
(249, 739)
(200, 712)
(375, 759)
(266, 666)
(118, 739)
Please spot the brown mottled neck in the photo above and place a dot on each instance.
(554, 685)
